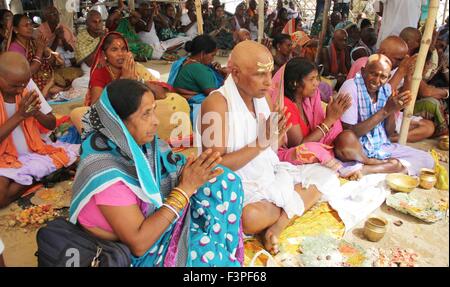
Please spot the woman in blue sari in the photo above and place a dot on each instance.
(195, 76)
(130, 187)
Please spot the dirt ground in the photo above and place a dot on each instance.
(430, 241)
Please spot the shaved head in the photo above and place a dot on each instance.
(15, 73)
(395, 48)
(14, 64)
(412, 37)
(340, 37)
(251, 66)
(248, 53)
(242, 35)
(379, 59)
(376, 72)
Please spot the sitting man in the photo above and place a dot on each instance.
(274, 191)
(189, 20)
(396, 50)
(371, 120)
(87, 42)
(336, 57)
(147, 33)
(24, 156)
(60, 37)
(365, 46)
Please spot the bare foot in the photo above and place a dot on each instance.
(270, 241)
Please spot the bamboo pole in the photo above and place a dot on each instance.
(131, 5)
(420, 63)
(260, 20)
(198, 12)
(326, 9)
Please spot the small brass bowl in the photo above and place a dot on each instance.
(443, 143)
(375, 228)
(427, 178)
(402, 182)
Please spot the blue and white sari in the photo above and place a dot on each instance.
(208, 232)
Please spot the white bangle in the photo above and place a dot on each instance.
(172, 209)
(447, 95)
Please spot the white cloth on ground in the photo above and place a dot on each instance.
(356, 200)
(159, 47)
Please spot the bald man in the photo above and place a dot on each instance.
(396, 50)
(242, 132)
(370, 121)
(24, 158)
(336, 57)
(412, 36)
(89, 38)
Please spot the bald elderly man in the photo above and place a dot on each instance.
(370, 121)
(396, 50)
(24, 156)
(241, 117)
(336, 57)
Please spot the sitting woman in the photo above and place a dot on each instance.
(283, 46)
(310, 140)
(219, 27)
(24, 157)
(168, 23)
(168, 210)
(40, 58)
(195, 76)
(126, 26)
(112, 61)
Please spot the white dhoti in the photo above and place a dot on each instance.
(159, 47)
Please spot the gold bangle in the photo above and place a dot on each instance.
(178, 196)
(182, 192)
(174, 203)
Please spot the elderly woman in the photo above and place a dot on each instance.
(130, 187)
(195, 76)
(310, 140)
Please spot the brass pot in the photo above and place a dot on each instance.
(443, 143)
(427, 178)
(375, 228)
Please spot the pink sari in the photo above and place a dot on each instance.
(310, 152)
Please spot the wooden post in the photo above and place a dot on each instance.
(131, 5)
(260, 20)
(198, 12)
(326, 9)
(420, 63)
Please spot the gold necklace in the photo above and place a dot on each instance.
(111, 73)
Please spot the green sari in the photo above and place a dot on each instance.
(139, 49)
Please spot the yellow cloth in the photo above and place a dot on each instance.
(319, 220)
(86, 45)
